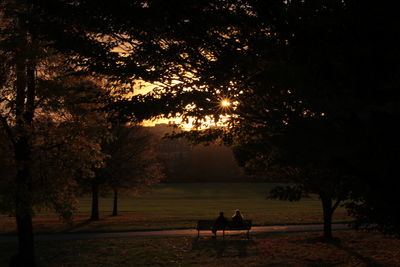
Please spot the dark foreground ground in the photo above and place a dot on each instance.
(349, 248)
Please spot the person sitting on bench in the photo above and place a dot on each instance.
(237, 219)
(219, 224)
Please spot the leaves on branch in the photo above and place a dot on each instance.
(290, 193)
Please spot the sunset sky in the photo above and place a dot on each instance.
(143, 88)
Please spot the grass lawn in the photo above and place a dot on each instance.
(301, 249)
(181, 205)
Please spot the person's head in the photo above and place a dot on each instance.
(237, 212)
(221, 213)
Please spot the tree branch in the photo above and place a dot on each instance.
(336, 204)
(7, 129)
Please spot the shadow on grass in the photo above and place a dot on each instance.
(222, 247)
(336, 242)
(367, 261)
(77, 226)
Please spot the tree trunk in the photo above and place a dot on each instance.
(115, 203)
(23, 201)
(95, 202)
(22, 153)
(327, 213)
(26, 251)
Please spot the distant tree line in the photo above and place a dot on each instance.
(184, 162)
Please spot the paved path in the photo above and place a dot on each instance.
(171, 233)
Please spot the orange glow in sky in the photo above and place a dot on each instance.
(225, 103)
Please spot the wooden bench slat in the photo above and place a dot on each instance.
(208, 225)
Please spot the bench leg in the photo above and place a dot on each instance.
(248, 234)
(223, 234)
(198, 233)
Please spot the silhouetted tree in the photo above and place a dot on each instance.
(87, 34)
(85, 105)
(317, 160)
(63, 146)
(294, 64)
(133, 164)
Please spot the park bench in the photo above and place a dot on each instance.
(208, 225)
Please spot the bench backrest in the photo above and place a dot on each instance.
(208, 225)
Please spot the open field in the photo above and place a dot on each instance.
(181, 205)
(301, 249)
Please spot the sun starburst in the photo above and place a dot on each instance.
(225, 103)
